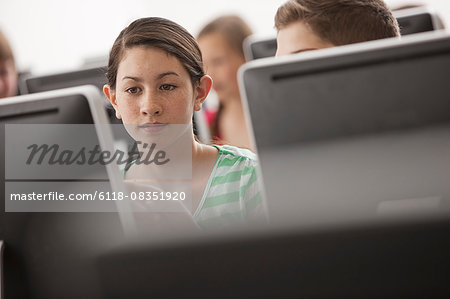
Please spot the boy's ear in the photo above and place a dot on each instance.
(111, 96)
(202, 91)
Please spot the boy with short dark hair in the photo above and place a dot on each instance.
(305, 25)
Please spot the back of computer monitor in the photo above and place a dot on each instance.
(257, 47)
(405, 261)
(353, 133)
(47, 254)
(94, 76)
(417, 20)
(89, 75)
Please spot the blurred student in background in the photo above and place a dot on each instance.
(305, 25)
(221, 44)
(8, 73)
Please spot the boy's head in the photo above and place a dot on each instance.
(304, 25)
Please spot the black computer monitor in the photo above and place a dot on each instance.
(93, 76)
(88, 75)
(357, 131)
(47, 254)
(417, 20)
(256, 47)
(403, 261)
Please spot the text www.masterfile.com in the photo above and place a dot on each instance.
(58, 196)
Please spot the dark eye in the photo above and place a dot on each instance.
(133, 90)
(167, 87)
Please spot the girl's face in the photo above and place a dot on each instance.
(222, 63)
(153, 87)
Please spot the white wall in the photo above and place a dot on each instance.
(53, 35)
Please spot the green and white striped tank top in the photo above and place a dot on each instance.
(233, 193)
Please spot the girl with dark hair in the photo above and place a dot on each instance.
(155, 79)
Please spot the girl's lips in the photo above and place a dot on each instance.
(152, 128)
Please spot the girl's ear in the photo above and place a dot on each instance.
(202, 91)
(111, 96)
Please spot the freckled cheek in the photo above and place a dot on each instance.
(133, 111)
(182, 107)
(128, 111)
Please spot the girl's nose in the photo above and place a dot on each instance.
(150, 107)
